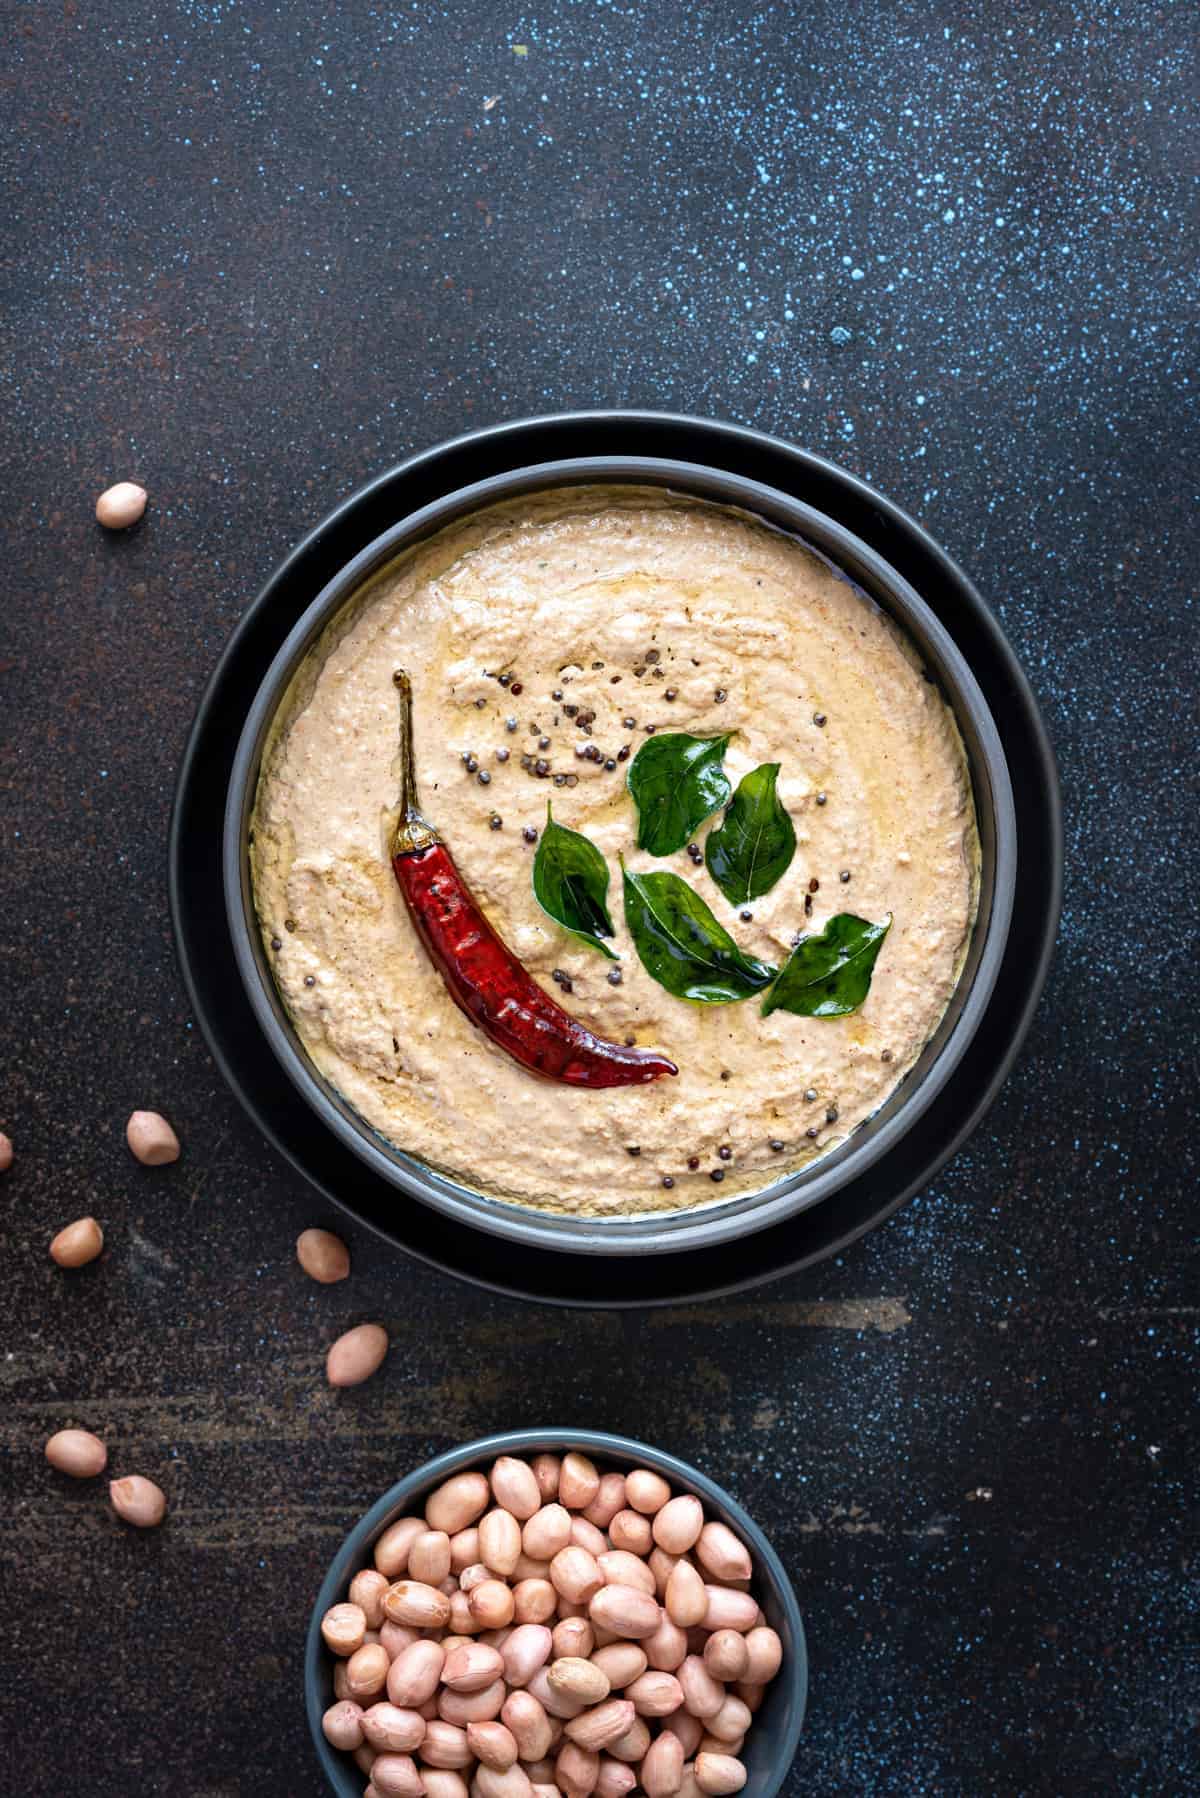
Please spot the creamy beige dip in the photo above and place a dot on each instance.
(569, 592)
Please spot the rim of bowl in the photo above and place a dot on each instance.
(711, 1223)
(790, 1696)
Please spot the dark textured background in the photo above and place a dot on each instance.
(252, 255)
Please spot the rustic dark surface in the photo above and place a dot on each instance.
(253, 255)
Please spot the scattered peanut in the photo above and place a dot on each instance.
(355, 1356)
(151, 1139)
(78, 1453)
(6, 1153)
(138, 1501)
(120, 506)
(323, 1256)
(77, 1243)
(550, 1630)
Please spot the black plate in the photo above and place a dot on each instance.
(206, 953)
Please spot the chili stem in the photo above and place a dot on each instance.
(412, 831)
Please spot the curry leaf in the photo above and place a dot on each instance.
(570, 883)
(681, 945)
(676, 781)
(828, 975)
(754, 844)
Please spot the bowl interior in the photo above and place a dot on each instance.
(771, 1743)
(701, 1226)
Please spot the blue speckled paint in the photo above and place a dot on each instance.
(255, 253)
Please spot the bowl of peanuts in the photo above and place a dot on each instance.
(555, 1612)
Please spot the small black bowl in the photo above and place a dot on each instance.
(775, 1733)
(701, 1226)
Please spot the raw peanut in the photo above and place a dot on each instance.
(655, 1694)
(491, 1603)
(138, 1501)
(473, 1576)
(527, 1649)
(391, 1550)
(492, 1744)
(751, 1696)
(719, 1773)
(529, 1724)
(726, 1655)
(429, 1557)
(661, 1773)
(512, 1784)
(555, 1704)
(543, 1789)
(604, 1723)
(460, 1501)
(717, 1745)
(576, 1770)
(731, 1721)
(614, 1779)
(515, 1487)
(573, 1636)
(578, 1678)
(472, 1707)
(121, 505)
(428, 1710)
(441, 1782)
(626, 1611)
(77, 1243)
(689, 1788)
(464, 1549)
(355, 1356)
(386, 1726)
(631, 1531)
(661, 1565)
(341, 1690)
(623, 1662)
(471, 1667)
(364, 1759)
(766, 1655)
(547, 1470)
(414, 1674)
(396, 1636)
(527, 1568)
(645, 1491)
(677, 1526)
(543, 1769)
(578, 1482)
(367, 1671)
(547, 1532)
(462, 1623)
(342, 1725)
(6, 1153)
(151, 1139)
(689, 1729)
(622, 1569)
(396, 1776)
(575, 1574)
(726, 1609)
(604, 1637)
(585, 1535)
(420, 1606)
(445, 1745)
(703, 1696)
(686, 1597)
(366, 1591)
(321, 1254)
(499, 1542)
(718, 1549)
(342, 1628)
(609, 1499)
(78, 1453)
(633, 1744)
(667, 1648)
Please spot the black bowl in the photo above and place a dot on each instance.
(701, 1226)
(771, 1743)
(206, 951)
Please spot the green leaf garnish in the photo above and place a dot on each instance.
(676, 781)
(829, 975)
(753, 846)
(681, 945)
(570, 883)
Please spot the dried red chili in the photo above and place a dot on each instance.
(482, 976)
